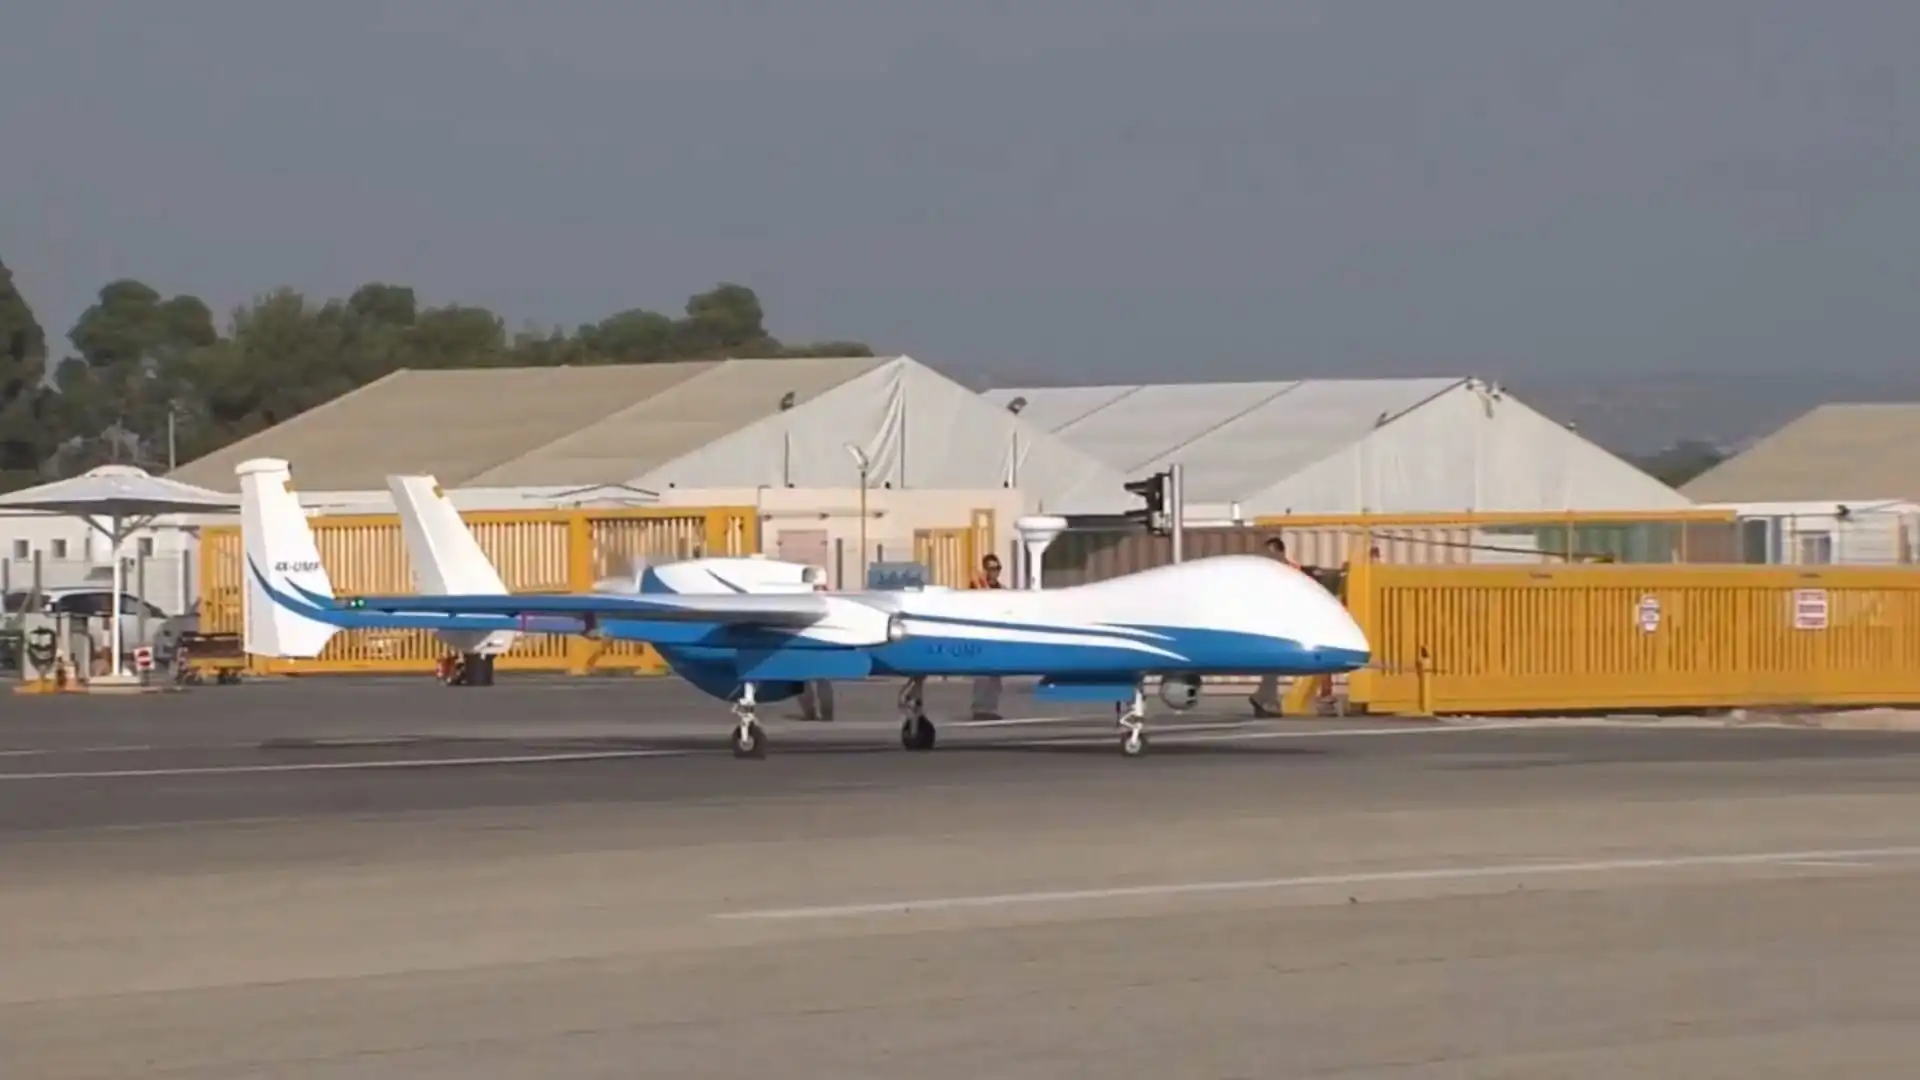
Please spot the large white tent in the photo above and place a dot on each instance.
(913, 428)
(1342, 446)
(639, 428)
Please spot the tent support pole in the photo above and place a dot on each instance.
(119, 586)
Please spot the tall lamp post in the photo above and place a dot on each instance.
(1013, 466)
(860, 462)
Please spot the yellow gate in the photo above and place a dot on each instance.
(952, 556)
(1597, 637)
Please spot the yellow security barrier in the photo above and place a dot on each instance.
(1583, 638)
(549, 551)
(1627, 536)
(952, 556)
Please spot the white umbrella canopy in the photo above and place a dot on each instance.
(128, 498)
(118, 491)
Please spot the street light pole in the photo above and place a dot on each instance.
(1177, 509)
(860, 462)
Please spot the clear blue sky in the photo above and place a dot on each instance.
(1078, 189)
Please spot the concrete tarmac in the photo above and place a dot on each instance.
(575, 879)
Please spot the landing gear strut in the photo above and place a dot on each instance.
(466, 669)
(916, 731)
(1132, 718)
(749, 738)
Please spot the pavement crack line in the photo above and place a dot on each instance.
(1377, 877)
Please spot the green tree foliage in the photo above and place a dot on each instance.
(28, 432)
(136, 354)
(146, 368)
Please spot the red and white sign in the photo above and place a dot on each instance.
(1809, 609)
(143, 658)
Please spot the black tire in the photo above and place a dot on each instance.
(749, 741)
(918, 733)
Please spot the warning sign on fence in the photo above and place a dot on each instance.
(1648, 614)
(1809, 609)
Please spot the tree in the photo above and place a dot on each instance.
(147, 367)
(132, 374)
(27, 434)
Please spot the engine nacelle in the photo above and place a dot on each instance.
(1180, 692)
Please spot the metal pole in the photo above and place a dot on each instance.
(119, 584)
(862, 560)
(140, 590)
(1177, 509)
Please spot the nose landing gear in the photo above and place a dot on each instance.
(1132, 718)
(749, 738)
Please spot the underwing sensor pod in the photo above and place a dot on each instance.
(1180, 692)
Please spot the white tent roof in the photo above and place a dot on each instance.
(1472, 449)
(917, 428)
(1232, 439)
(1344, 446)
(117, 491)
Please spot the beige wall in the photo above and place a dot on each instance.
(805, 514)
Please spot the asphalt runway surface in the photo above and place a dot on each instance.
(574, 878)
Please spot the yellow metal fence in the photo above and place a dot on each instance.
(1653, 536)
(952, 556)
(1448, 638)
(535, 551)
(1582, 638)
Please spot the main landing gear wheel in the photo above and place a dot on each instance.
(917, 733)
(749, 741)
(749, 738)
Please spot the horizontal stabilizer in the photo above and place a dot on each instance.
(796, 610)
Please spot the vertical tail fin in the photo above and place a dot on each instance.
(447, 560)
(287, 590)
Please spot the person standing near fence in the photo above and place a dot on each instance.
(1266, 698)
(816, 697)
(986, 688)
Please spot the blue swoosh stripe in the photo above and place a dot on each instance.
(326, 610)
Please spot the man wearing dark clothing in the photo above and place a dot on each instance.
(986, 688)
(1266, 699)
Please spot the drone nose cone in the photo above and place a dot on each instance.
(1341, 642)
(1337, 659)
(1348, 637)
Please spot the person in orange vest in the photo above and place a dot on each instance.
(816, 697)
(1266, 698)
(986, 688)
